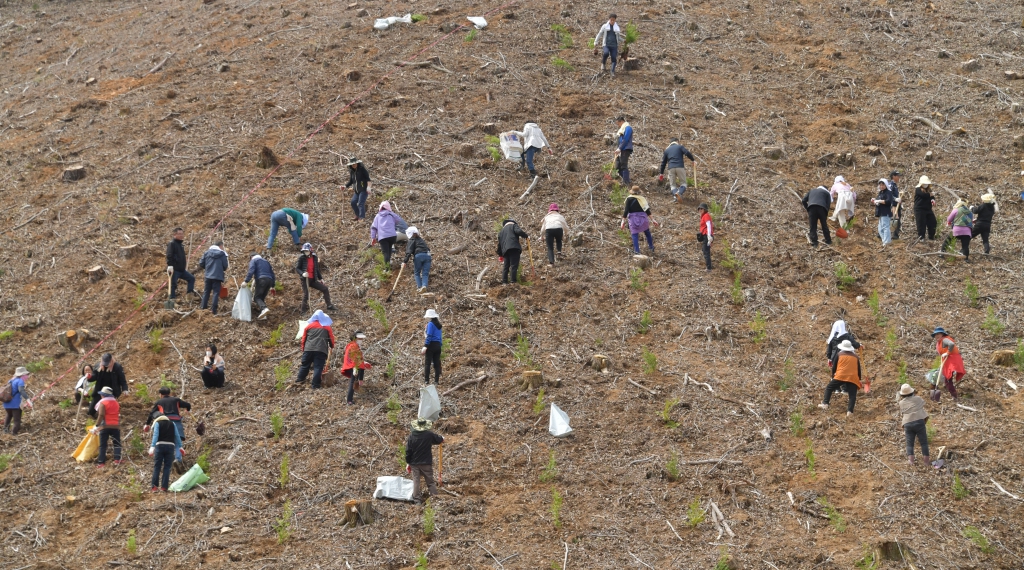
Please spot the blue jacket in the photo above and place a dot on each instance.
(259, 268)
(626, 139)
(673, 156)
(215, 263)
(433, 334)
(17, 387)
(175, 438)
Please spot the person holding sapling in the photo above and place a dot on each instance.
(609, 38)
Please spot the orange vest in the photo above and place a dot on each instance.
(111, 412)
(954, 362)
(846, 369)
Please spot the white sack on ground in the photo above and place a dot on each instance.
(430, 403)
(558, 425)
(398, 488)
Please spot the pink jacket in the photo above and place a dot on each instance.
(958, 230)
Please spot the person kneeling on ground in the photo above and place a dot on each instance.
(213, 368)
(317, 342)
(419, 456)
(164, 448)
(845, 377)
(914, 420)
(353, 365)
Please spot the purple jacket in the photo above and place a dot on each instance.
(964, 230)
(383, 226)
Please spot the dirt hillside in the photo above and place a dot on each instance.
(710, 400)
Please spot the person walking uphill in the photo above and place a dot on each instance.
(884, 203)
(263, 273)
(108, 425)
(705, 234)
(674, 158)
(295, 220)
(419, 456)
(607, 42)
(951, 368)
(13, 394)
(108, 374)
(431, 350)
(317, 342)
(417, 249)
(840, 333)
(509, 249)
(533, 141)
(915, 420)
(983, 217)
(554, 230)
(845, 199)
(354, 365)
(308, 268)
(961, 219)
(359, 182)
(924, 202)
(637, 214)
(817, 202)
(176, 263)
(383, 230)
(214, 263)
(164, 448)
(624, 148)
(170, 407)
(845, 377)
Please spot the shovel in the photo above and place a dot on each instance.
(169, 303)
(440, 464)
(867, 379)
(529, 248)
(395, 286)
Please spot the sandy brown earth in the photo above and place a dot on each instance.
(168, 105)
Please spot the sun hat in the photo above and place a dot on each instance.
(422, 425)
(924, 181)
(21, 371)
(107, 390)
(906, 390)
(430, 314)
(353, 161)
(958, 204)
(305, 220)
(988, 197)
(307, 246)
(553, 207)
(846, 346)
(939, 330)
(359, 334)
(411, 231)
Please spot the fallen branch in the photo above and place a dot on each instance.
(432, 61)
(961, 406)
(528, 190)
(478, 380)
(241, 419)
(25, 223)
(721, 519)
(1004, 491)
(674, 530)
(715, 461)
(459, 249)
(159, 65)
(481, 276)
(931, 123)
(688, 380)
(651, 392)
(187, 168)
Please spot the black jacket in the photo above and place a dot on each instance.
(113, 378)
(885, 208)
(817, 197)
(358, 177)
(176, 257)
(418, 447)
(633, 207)
(508, 238)
(301, 265)
(832, 352)
(673, 157)
(415, 245)
(983, 215)
(169, 406)
(166, 435)
(923, 200)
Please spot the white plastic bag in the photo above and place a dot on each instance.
(478, 22)
(430, 403)
(242, 310)
(302, 329)
(398, 488)
(558, 425)
(511, 145)
(385, 23)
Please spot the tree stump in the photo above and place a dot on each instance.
(359, 512)
(267, 159)
(489, 128)
(73, 340)
(129, 251)
(600, 362)
(1003, 358)
(466, 150)
(642, 261)
(532, 379)
(73, 173)
(577, 240)
(97, 273)
(302, 197)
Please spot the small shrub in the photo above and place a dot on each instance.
(950, 246)
(446, 348)
(471, 35)
(867, 562)
(645, 322)
(275, 337)
(136, 446)
(281, 373)
(277, 424)
(624, 238)
(550, 470)
(203, 460)
(971, 292)
(6, 335)
(389, 370)
(834, 517)
(809, 455)
(418, 18)
(759, 327)
(556, 508)
(65, 404)
(381, 271)
(278, 286)
(590, 43)
(979, 540)
(37, 366)
(283, 525)
(142, 393)
(140, 296)
(929, 430)
(563, 35)
(378, 312)
(694, 513)
(844, 278)
(666, 414)
(650, 361)
(428, 518)
(636, 279)
(522, 352)
(788, 375)
(959, 491)
(729, 260)
(282, 478)
(619, 193)
(496, 154)
(562, 64)
(500, 222)
(492, 140)
(538, 405)
(131, 546)
(723, 560)
(400, 457)
(876, 309)
(421, 561)
(1018, 355)
(672, 467)
(5, 461)
(169, 384)
(715, 209)
(901, 368)
(632, 33)
(892, 345)
(737, 290)
(393, 406)
(513, 315)
(133, 486)
(391, 194)
(992, 323)
(796, 424)
(156, 340)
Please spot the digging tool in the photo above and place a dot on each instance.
(867, 378)
(529, 248)
(395, 286)
(169, 303)
(694, 176)
(440, 464)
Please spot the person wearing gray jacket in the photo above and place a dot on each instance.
(608, 40)
(915, 420)
(674, 158)
(213, 263)
(817, 203)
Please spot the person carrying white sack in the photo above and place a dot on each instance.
(844, 198)
(533, 141)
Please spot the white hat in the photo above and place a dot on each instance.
(411, 231)
(305, 220)
(846, 346)
(107, 390)
(988, 197)
(906, 390)
(21, 371)
(924, 181)
(431, 314)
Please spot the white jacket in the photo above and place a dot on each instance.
(532, 136)
(602, 36)
(553, 221)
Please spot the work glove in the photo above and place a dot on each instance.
(151, 451)
(170, 270)
(501, 259)
(305, 274)
(145, 429)
(182, 451)
(408, 469)
(710, 240)
(423, 350)
(661, 178)
(94, 430)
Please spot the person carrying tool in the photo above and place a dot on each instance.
(951, 368)
(383, 231)
(924, 202)
(359, 182)
(533, 141)
(176, 264)
(983, 214)
(845, 377)
(213, 368)
(897, 214)
(884, 203)
(554, 229)
(13, 394)
(85, 384)
(214, 263)
(108, 374)
(170, 407)
(607, 42)
(705, 234)
(263, 273)
(295, 220)
(108, 426)
(674, 158)
(845, 199)
(165, 448)
(308, 268)
(417, 250)
(840, 333)
(419, 456)
(353, 365)
(961, 219)
(317, 342)
(637, 214)
(509, 249)
(817, 202)
(431, 350)
(915, 420)
(624, 148)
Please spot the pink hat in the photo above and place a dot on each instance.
(385, 205)
(553, 207)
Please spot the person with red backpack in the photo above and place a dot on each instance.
(11, 395)
(951, 368)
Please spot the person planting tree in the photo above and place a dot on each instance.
(846, 377)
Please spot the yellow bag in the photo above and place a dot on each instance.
(89, 449)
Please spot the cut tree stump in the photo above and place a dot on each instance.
(267, 159)
(129, 251)
(359, 512)
(97, 273)
(73, 340)
(642, 261)
(72, 173)
(1003, 358)
(302, 197)
(532, 379)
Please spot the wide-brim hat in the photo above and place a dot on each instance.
(430, 314)
(988, 197)
(359, 334)
(846, 345)
(21, 371)
(107, 390)
(924, 181)
(422, 425)
(939, 330)
(353, 161)
(906, 390)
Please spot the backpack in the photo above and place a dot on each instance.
(7, 393)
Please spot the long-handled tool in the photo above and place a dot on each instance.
(867, 378)
(440, 464)
(169, 303)
(529, 248)
(395, 286)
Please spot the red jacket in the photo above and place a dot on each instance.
(354, 358)
(954, 362)
(108, 412)
(704, 219)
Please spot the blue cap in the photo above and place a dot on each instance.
(939, 330)
(307, 247)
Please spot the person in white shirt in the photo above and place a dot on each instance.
(533, 140)
(554, 229)
(608, 40)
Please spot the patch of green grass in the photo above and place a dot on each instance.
(636, 279)
(37, 366)
(133, 486)
(624, 239)
(694, 513)
(991, 323)
(959, 491)
(131, 546)
(590, 43)
(136, 447)
(556, 508)
(446, 348)
(393, 406)
(796, 424)
(391, 194)
(6, 335)
(513, 315)
(428, 518)
(496, 154)
(492, 140)
(550, 471)
(203, 460)
(723, 560)
(378, 312)
(632, 33)
(522, 351)
(562, 64)
(5, 460)
(929, 430)
(672, 467)
(471, 35)
(971, 292)
(834, 517)
(65, 404)
(974, 535)
(736, 291)
(563, 35)
(666, 413)
(283, 525)
(844, 278)
(282, 477)
(277, 424)
(278, 286)
(892, 345)
(715, 209)
(867, 562)
(156, 340)
(759, 327)
(381, 270)
(809, 456)
(876, 309)
(538, 405)
(140, 296)
(418, 18)
(729, 260)
(142, 393)
(645, 322)
(619, 193)
(281, 373)
(275, 337)
(650, 361)
(169, 384)
(400, 457)
(788, 375)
